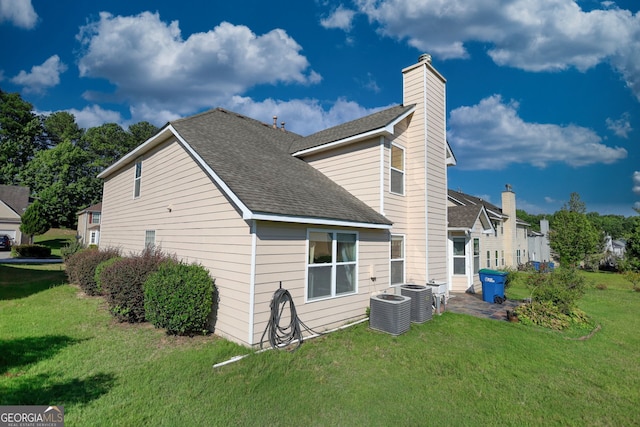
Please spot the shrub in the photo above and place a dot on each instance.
(562, 287)
(633, 277)
(512, 275)
(81, 268)
(70, 249)
(100, 268)
(548, 315)
(32, 251)
(123, 284)
(179, 297)
(543, 314)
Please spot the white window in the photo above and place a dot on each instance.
(95, 218)
(488, 259)
(502, 258)
(496, 258)
(331, 264)
(149, 238)
(397, 259)
(397, 170)
(476, 256)
(93, 238)
(459, 256)
(137, 178)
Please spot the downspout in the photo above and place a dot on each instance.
(382, 169)
(252, 280)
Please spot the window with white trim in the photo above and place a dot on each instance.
(93, 237)
(397, 259)
(397, 170)
(149, 238)
(331, 263)
(95, 218)
(476, 256)
(459, 256)
(488, 259)
(136, 179)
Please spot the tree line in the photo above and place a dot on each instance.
(578, 237)
(58, 160)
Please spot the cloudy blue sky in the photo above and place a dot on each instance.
(543, 95)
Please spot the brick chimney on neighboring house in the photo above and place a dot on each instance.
(509, 237)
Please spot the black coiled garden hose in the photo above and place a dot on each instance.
(282, 336)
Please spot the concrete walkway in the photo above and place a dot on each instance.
(473, 305)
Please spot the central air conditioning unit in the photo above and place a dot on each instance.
(390, 313)
(421, 301)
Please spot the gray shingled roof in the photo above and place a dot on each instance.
(491, 208)
(359, 126)
(93, 208)
(16, 197)
(252, 159)
(463, 216)
(466, 199)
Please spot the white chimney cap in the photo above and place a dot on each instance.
(425, 57)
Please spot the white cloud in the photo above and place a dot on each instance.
(42, 76)
(19, 12)
(548, 199)
(340, 18)
(491, 135)
(636, 205)
(303, 116)
(621, 127)
(94, 115)
(541, 35)
(636, 182)
(152, 66)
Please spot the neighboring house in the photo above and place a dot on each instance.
(89, 225)
(539, 249)
(13, 203)
(482, 235)
(333, 217)
(614, 249)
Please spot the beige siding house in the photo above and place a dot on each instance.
(13, 203)
(482, 235)
(332, 217)
(88, 230)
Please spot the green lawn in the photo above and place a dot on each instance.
(60, 347)
(56, 238)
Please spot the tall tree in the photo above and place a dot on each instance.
(575, 204)
(140, 132)
(63, 180)
(61, 126)
(20, 136)
(573, 237)
(107, 143)
(35, 219)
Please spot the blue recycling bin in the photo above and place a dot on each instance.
(493, 282)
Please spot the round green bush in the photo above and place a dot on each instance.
(81, 267)
(179, 298)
